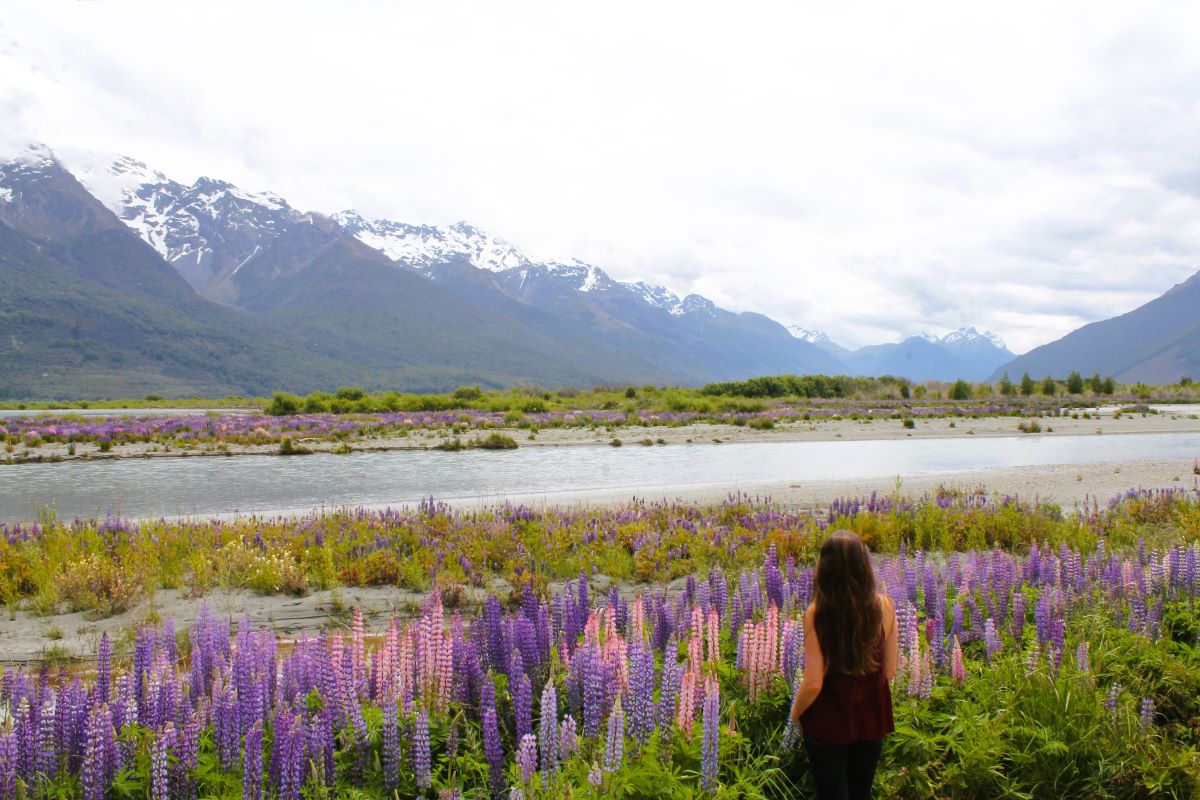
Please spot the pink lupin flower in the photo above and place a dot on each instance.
(958, 670)
(771, 637)
(687, 700)
(404, 671)
(637, 620)
(591, 630)
(714, 636)
(696, 637)
(610, 626)
(356, 652)
(914, 664)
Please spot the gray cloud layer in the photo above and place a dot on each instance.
(872, 170)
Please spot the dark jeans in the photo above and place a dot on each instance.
(843, 772)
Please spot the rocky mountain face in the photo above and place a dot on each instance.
(241, 292)
(1156, 343)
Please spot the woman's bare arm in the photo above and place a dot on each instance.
(891, 642)
(814, 669)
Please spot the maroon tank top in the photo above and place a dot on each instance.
(851, 708)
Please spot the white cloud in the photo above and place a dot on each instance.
(872, 170)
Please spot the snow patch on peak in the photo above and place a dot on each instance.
(810, 336)
(423, 247)
(114, 180)
(929, 337)
(695, 304)
(655, 296)
(6, 194)
(32, 156)
(592, 279)
(969, 335)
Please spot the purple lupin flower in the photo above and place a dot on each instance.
(527, 757)
(614, 743)
(46, 752)
(493, 751)
(1082, 662)
(252, 763)
(1147, 715)
(8, 769)
(991, 640)
(640, 693)
(160, 786)
(421, 755)
(522, 696)
(591, 676)
(548, 729)
(1018, 617)
(672, 677)
(568, 738)
(710, 742)
(189, 758)
(103, 671)
(92, 772)
(391, 747)
(1114, 694)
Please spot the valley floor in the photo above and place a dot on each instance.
(817, 430)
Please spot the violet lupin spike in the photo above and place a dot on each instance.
(160, 786)
(91, 773)
(252, 763)
(421, 755)
(493, 751)
(103, 670)
(614, 744)
(710, 741)
(548, 729)
(527, 757)
(568, 738)
(391, 746)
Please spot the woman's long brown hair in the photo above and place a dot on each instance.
(847, 618)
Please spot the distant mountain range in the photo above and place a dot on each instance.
(1156, 343)
(118, 280)
(965, 353)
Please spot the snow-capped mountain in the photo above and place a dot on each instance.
(970, 337)
(964, 353)
(208, 231)
(820, 339)
(425, 247)
(331, 279)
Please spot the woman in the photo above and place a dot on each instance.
(844, 704)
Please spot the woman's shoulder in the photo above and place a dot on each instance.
(886, 602)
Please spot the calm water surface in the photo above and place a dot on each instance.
(213, 485)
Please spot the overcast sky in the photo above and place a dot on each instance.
(871, 170)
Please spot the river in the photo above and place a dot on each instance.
(268, 484)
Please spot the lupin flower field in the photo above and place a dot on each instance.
(1042, 654)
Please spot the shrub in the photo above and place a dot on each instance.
(909, 423)
(497, 441)
(467, 394)
(961, 390)
(287, 448)
(283, 404)
(98, 584)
